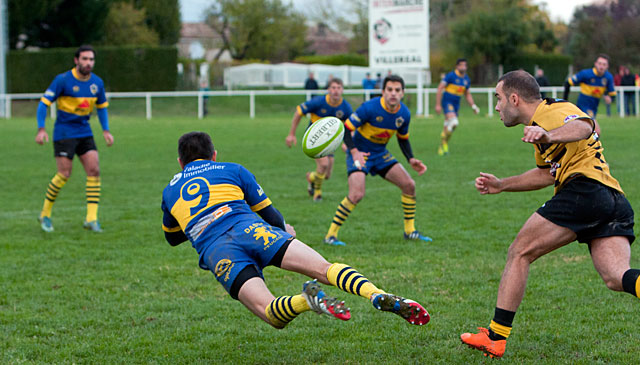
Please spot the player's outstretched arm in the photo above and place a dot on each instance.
(441, 87)
(574, 130)
(272, 216)
(291, 137)
(533, 179)
(104, 122)
(41, 116)
(175, 238)
(567, 89)
(469, 98)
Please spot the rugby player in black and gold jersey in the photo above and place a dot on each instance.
(588, 204)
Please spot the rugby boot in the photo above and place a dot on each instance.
(416, 236)
(333, 241)
(408, 309)
(310, 188)
(93, 226)
(481, 341)
(45, 224)
(321, 304)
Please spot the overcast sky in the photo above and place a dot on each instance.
(192, 10)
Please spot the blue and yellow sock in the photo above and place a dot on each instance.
(285, 309)
(56, 184)
(342, 213)
(351, 281)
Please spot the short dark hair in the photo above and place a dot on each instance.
(460, 60)
(522, 83)
(85, 48)
(392, 78)
(195, 146)
(603, 55)
(335, 80)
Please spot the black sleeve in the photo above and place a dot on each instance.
(272, 216)
(348, 139)
(405, 147)
(175, 238)
(567, 88)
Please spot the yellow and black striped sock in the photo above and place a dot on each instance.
(93, 197)
(500, 327)
(342, 213)
(285, 309)
(443, 138)
(409, 208)
(631, 282)
(318, 178)
(57, 182)
(346, 278)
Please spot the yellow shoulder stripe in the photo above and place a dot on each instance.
(172, 229)
(46, 101)
(263, 204)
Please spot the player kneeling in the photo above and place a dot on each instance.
(212, 204)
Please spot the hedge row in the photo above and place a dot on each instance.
(121, 68)
(555, 66)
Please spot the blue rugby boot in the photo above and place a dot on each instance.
(416, 236)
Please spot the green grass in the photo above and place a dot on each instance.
(126, 296)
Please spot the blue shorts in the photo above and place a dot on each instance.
(376, 164)
(588, 105)
(449, 106)
(250, 242)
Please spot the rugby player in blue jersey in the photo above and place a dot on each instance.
(77, 92)
(595, 83)
(330, 105)
(451, 89)
(372, 125)
(214, 205)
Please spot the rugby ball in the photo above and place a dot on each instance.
(323, 137)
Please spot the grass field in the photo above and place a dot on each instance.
(126, 296)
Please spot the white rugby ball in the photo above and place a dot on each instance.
(323, 137)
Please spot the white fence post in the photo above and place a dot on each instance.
(621, 102)
(200, 105)
(490, 102)
(252, 104)
(148, 105)
(426, 102)
(7, 106)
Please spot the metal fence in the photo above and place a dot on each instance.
(423, 97)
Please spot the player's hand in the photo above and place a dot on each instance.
(488, 184)
(475, 108)
(42, 136)
(438, 108)
(344, 148)
(289, 229)
(417, 165)
(607, 99)
(535, 134)
(358, 158)
(107, 138)
(291, 140)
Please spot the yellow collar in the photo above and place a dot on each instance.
(385, 107)
(328, 100)
(79, 77)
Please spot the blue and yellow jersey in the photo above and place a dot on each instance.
(208, 198)
(593, 85)
(321, 106)
(76, 100)
(457, 85)
(566, 160)
(374, 125)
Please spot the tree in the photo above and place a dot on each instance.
(125, 25)
(258, 29)
(611, 27)
(163, 17)
(57, 23)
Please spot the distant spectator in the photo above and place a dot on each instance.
(542, 80)
(329, 81)
(368, 82)
(628, 79)
(311, 83)
(617, 78)
(378, 85)
(204, 86)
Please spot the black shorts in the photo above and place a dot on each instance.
(591, 210)
(72, 146)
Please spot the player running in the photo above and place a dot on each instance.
(588, 205)
(329, 105)
(212, 204)
(77, 91)
(373, 125)
(453, 86)
(595, 83)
